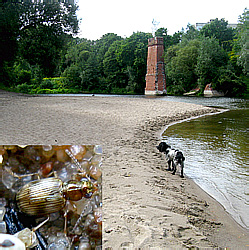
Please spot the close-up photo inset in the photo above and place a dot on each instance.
(51, 196)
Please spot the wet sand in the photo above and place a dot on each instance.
(144, 205)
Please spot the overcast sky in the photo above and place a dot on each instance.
(100, 17)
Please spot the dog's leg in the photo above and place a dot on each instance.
(173, 167)
(182, 166)
(169, 165)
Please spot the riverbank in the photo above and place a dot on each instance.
(144, 205)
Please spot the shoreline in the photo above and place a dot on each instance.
(225, 231)
(143, 205)
(160, 137)
(161, 131)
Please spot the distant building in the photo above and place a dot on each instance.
(199, 26)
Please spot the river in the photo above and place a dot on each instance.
(216, 152)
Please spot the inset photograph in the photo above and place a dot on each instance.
(51, 196)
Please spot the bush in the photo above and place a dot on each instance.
(24, 88)
(45, 91)
(54, 83)
(23, 76)
(46, 83)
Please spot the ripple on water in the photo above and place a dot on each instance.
(217, 157)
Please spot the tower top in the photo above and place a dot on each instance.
(155, 41)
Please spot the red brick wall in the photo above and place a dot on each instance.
(155, 77)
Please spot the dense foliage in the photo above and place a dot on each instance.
(211, 55)
(33, 37)
(40, 55)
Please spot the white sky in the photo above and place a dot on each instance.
(100, 17)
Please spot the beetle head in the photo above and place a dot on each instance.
(76, 190)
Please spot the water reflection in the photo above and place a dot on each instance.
(216, 150)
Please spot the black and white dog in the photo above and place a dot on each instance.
(174, 157)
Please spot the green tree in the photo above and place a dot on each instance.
(9, 30)
(90, 76)
(101, 47)
(181, 61)
(112, 69)
(243, 41)
(168, 39)
(211, 58)
(132, 56)
(191, 33)
(220, 30)
(75, 61)
(229, 83)
(44, 32)
(36, 32)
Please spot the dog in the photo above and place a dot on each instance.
(174, 157)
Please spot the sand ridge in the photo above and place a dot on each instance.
(144, 205)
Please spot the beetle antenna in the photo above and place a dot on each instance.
(73, 159)
(82, 215)
(76, 161)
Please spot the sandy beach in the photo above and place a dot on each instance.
(144, 205)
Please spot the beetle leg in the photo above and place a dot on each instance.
(82, 215)
(20, 176)
(65, 228)
(55, 174)
(65, 222)
(40, 225)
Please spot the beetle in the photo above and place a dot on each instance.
(45, 196)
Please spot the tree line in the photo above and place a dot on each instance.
(41, 53)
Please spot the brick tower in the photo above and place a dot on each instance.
(155, 77)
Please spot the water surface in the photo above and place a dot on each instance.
(216, 151)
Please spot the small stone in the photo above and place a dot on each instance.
(47, 151)
(2, 212)
(62, 174)
(8, 241)
(2, 150)
(28, 237)
(98, 149)
(93, 229)
(96, 159)
(78, 151)
(3, 227)
(66, 173)
(62, 155)
(95, 172)
(13, 162)
(58, 242)
(2, 202)
(83, 205)
(84, 244)
(46, 168)
(97, 200)
(8, 179)
(98, 215)
(54, 216)
(32, 154)
(88, 156)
